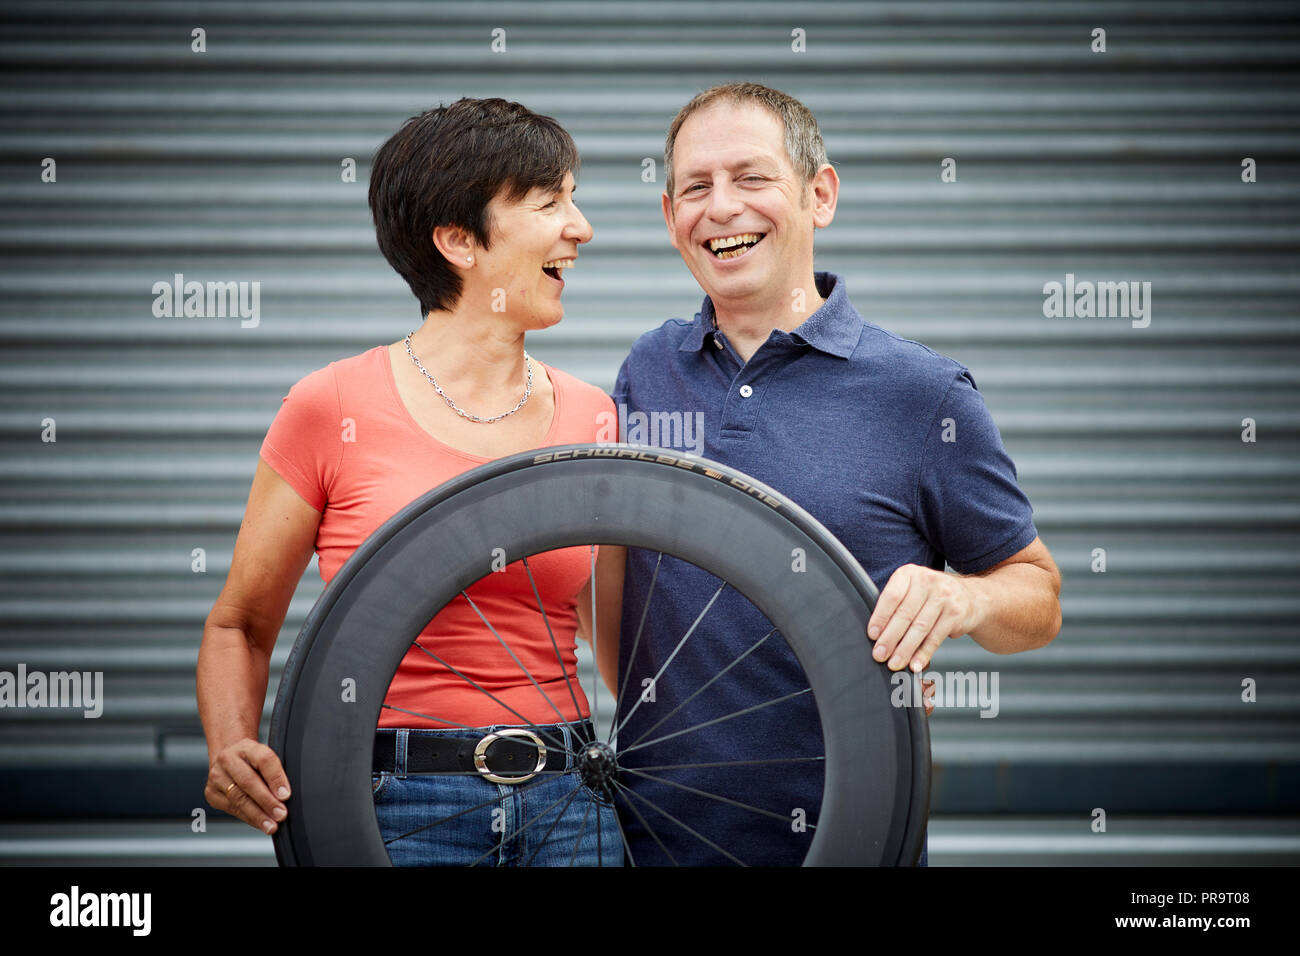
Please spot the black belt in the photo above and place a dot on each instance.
(508, 755)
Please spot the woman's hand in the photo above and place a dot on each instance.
(247, 781)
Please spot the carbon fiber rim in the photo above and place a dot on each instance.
(876, 783)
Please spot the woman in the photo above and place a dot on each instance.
(473, 206)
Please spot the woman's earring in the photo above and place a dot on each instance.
(469, 259)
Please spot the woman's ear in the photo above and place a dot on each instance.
(455, 244)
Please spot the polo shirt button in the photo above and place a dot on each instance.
(746, 391)
(717, 342)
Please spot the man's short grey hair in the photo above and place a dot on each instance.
(803, 138)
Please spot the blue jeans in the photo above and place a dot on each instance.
(554, 819)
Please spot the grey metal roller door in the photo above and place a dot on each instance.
(1116, 166)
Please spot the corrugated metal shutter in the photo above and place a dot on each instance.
(1123, 165)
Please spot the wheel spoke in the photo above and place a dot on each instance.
(582, 832)
(627, 847)
(595, 650)
(545, 620)
(444, 773)
(469, 680)
(718, 720)
(442, 720)
(545, 696)
(707, 684)
(727, 763)
(460, 813)
(551, 829)
(645, 823)
(689, 631)
(636, 642)
(507, 837)
(693, 833)
(714, 796)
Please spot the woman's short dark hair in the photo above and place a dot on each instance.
(443, 167)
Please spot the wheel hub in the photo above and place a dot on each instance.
(598, 766)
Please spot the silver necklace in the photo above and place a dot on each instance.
(528, 389)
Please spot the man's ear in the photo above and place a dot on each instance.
(455, 244)
(668, 218)
(825, 194)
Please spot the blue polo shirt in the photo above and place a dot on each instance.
(889, 445)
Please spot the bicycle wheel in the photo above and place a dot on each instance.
(876, 762)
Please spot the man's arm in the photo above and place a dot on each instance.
(1013, 606)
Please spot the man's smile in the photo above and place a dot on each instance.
(733, 247)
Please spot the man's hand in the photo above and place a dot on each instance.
(1013, 606)
(918, 609)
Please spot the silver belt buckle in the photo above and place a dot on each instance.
(480, 755)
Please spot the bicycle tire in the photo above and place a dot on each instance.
(562, 496)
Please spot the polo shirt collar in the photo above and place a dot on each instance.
(834, 328)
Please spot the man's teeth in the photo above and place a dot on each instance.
(746, 239)
(559, 264)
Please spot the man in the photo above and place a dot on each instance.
(884, 441)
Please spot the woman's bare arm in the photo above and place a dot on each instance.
(276, 540)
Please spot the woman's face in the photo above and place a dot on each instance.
(533, 241)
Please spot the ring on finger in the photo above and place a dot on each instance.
(231, 787)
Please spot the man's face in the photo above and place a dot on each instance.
(733, 183)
